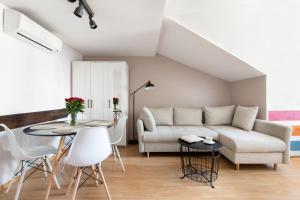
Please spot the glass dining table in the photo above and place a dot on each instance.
(63, 130)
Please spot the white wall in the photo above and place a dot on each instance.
(31, 80)
(263, 33)
(176, 84)
(250, 92)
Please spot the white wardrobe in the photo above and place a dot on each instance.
(97, 82)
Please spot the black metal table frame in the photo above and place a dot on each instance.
(214, 156)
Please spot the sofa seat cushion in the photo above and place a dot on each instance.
(172, 133)
(242, 141)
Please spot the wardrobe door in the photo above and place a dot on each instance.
(101, 90)
(81, 83)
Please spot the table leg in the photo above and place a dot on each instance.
(212, 168)
(54, 166)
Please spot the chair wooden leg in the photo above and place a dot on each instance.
(104, 182)
(44, 167)
(10, 182)
(114, 152)
(275, 166)
(119, 157)
(95, 174)
(20, 184)
(72, 181)
(148, 154)
(54, 177)
(76, 184)
(237, 166)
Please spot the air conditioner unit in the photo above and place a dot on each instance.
(20, 26)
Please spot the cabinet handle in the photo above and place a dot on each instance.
(88, 103)
(91, 103)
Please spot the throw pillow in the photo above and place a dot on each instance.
(221, 115)
(163, 116)
(188, 116)
(244, 117)
(148, 119)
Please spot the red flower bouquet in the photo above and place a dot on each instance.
(73, 106)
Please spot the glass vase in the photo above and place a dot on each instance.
(73, 121)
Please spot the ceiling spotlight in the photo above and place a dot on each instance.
(93, 24)
(79, 10)
(83, 5)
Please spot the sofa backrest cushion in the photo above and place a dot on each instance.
(244, 117)
(148, 119)
(221, 115)
(163, 116)
(187, 116)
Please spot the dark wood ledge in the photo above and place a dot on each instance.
(26, 119)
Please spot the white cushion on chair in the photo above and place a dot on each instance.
(221, 115)
(188, 116)
(163, 116)
(148, 119)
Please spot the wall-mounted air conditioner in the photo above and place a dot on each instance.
(18, 25)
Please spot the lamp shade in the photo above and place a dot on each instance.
(149, 85)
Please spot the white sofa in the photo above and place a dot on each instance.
(267, 143)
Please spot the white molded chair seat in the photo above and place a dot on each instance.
(36, 151)
(25, 156)
(90, 147)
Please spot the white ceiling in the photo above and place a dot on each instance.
(125, 27)
(183, 45)
(134, 28)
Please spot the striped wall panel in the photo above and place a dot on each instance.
(295, 145)
(291, 118)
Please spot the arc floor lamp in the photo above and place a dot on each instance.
(146, 86)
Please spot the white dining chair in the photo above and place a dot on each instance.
(27, 158)
(90, 147)
(117, 136)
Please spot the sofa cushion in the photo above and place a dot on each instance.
(187, 116)
(244, 117)
(172, 133)
(221, 115)
(148, 119)
(242, 141)
(163, 116)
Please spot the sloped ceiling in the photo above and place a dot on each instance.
(125, 27)
(137, 28)
(183, 45)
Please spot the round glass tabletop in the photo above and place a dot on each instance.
(61, 128)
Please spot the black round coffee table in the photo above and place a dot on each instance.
(200, 161)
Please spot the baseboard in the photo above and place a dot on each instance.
(133, 142)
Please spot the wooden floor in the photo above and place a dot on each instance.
(159, 178)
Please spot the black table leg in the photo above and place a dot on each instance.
(182, 162)
(212, 168)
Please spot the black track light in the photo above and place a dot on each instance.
(93, 24)
(79, 10)
(83, 5)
